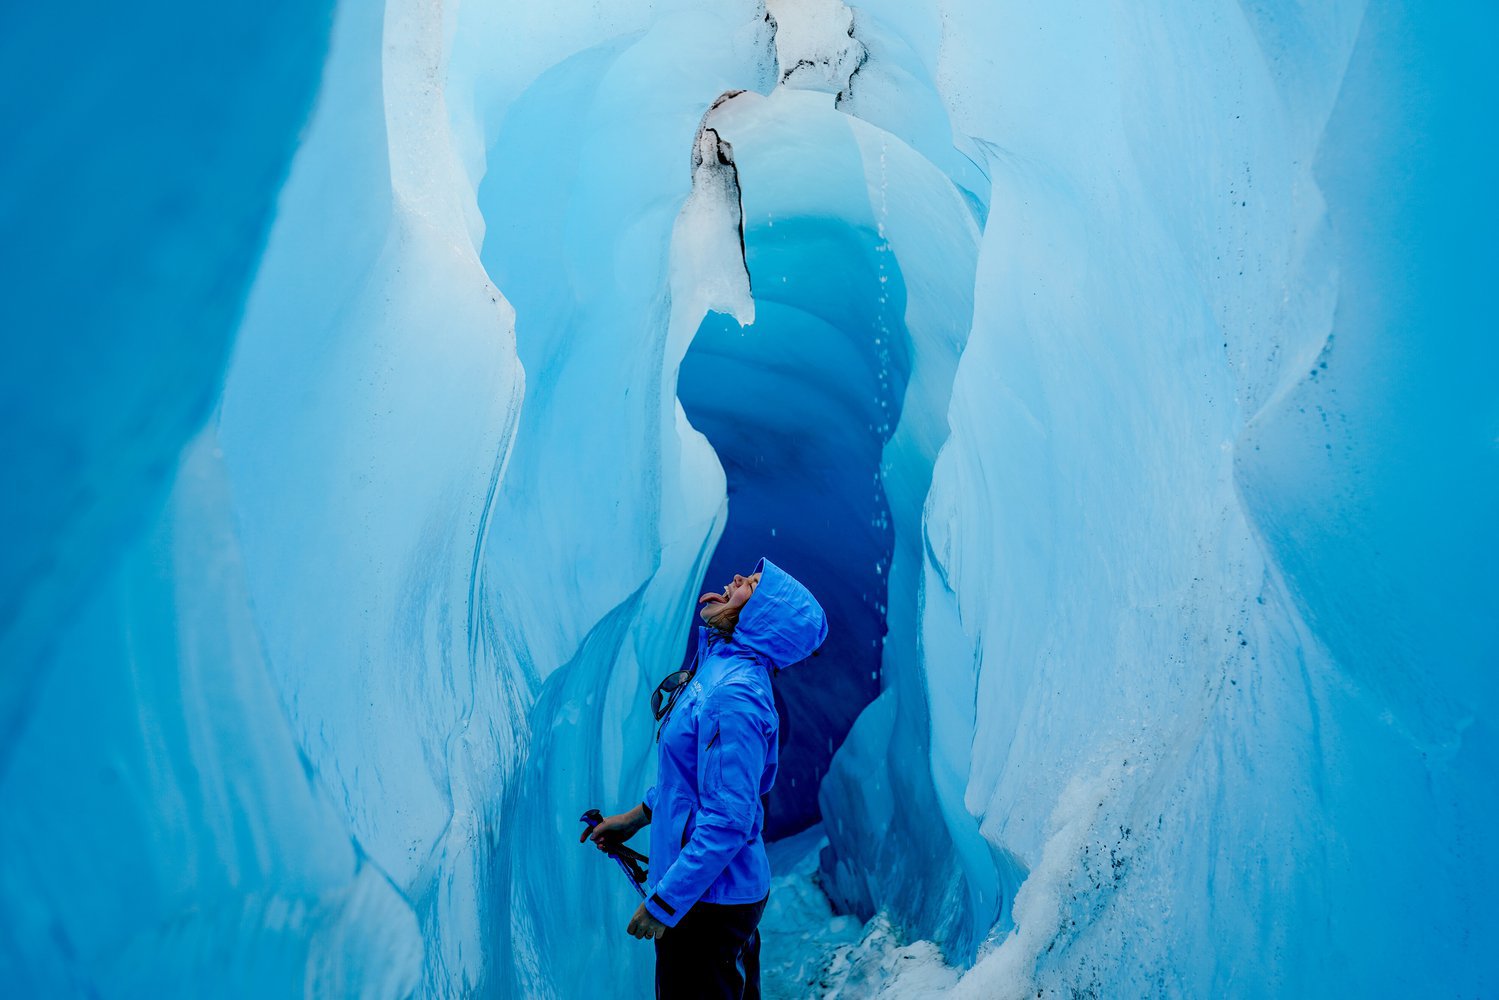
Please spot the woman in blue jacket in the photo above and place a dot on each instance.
(716, 759)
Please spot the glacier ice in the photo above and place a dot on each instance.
(132, 236)
(162, 832)
(382, 386)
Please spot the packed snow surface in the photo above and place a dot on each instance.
(385, 383)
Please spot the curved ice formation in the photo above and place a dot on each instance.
(135, 235)
(1128, 367)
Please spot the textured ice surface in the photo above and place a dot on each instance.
(366, 416)
(1139, 684)
(1140, 351)
(169, 840)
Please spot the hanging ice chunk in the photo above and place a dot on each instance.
(708, 270)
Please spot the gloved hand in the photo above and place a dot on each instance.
(643, 925)
(616, 829)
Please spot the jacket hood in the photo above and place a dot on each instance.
(782, 621)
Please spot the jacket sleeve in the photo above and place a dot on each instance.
(733, 741)
(649, 801)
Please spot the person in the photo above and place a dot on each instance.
(716, 759)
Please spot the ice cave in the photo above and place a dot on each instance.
(387, 377)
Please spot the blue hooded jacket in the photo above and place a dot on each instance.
(717, 753)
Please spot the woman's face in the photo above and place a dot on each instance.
(733, 596)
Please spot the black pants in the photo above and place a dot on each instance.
(712, 954)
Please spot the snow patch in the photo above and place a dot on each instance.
(799, 933)
(1080, 864)
(815, 44)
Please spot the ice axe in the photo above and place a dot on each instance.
(631, 862)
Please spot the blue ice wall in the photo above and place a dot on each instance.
(1374, 481)
(158, 833)
(145, 148)
(1222, 386)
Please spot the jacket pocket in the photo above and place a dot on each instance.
(687, 827)
(712, 765)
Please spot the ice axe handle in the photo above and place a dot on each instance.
(593, 818)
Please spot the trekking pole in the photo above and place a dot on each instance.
(630, 861)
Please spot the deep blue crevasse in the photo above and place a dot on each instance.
(798, 407)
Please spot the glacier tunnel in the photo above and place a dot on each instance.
(755, 393)
(386, 380)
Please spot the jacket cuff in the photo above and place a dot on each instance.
(662, 910)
